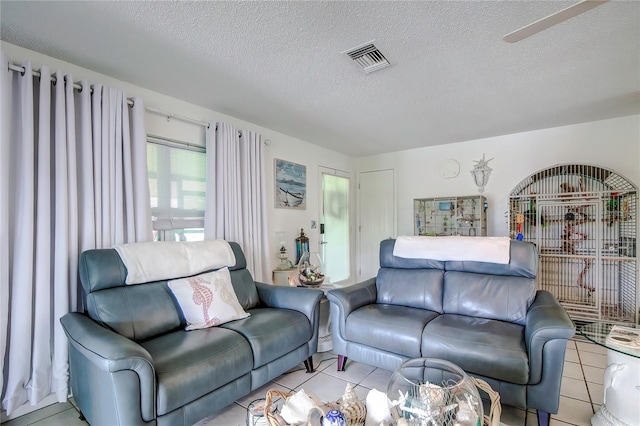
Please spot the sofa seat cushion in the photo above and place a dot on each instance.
(272, 332)
(477, 345)
(397, 329)
(190, 364)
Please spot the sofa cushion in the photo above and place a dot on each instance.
(137, 312)
(397, 329)
(207, 300)
(388, 260)
(272, 332)
(416, 288)
(499, 297)
(523, 262)
(103, 268)
(190, 364)
(100, 269)
(481, 346)
(150, 310)
(245, 288)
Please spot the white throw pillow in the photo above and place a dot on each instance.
(207, 299)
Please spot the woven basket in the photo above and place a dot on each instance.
(274, 420)
(269, 414)
(493, 419)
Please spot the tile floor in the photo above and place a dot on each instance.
(581, 392)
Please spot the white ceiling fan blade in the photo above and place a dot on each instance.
(552, 20)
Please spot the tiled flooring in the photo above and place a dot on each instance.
(581, 392)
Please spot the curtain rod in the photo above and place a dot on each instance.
(18, 68)
(21, 70)
(171, 115)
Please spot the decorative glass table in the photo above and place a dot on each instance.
(622, 376)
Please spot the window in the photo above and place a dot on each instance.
(177, 183)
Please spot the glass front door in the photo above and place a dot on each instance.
(334, 225)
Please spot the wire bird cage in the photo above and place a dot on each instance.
(583, 219)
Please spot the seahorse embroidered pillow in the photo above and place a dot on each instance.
(208, 299)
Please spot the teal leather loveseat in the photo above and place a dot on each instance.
(487, 318)
(132, 362)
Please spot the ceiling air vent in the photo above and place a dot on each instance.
(368, 57)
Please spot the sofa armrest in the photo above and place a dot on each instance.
(355, 296)
(98, 351)
(546, 320)
(344, 301)
(305, 300)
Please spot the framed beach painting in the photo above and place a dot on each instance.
(291, 185)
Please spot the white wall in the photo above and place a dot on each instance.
(282, 146)
(612, 144)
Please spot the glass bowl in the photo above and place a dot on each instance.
(433, 392)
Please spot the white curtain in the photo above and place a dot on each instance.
(73, 178)
(236, 194)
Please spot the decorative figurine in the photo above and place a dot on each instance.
(481, 172)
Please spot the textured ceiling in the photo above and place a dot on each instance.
(278, 64)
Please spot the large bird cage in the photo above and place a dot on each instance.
(583, 219)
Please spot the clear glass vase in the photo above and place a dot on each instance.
(430, 392)
(310, 269)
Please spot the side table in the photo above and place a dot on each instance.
(622, 376)
(284, 276)
(325, 342)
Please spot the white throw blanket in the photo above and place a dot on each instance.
(154, 261)
(477, 249)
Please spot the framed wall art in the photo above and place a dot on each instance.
(290, 185)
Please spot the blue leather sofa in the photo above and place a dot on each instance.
(132, 362)
(487, 318)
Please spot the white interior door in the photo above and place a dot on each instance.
(376, 194)
(335, 227)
